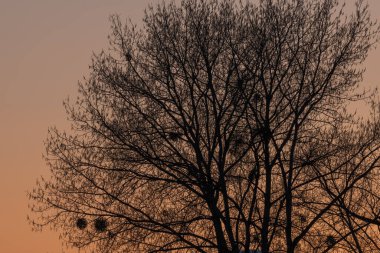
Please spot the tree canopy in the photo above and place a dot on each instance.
(220, 126)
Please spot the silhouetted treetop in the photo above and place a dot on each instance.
(221, 126)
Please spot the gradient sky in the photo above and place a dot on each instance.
(45, 49)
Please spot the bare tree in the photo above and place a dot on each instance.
(221, 127)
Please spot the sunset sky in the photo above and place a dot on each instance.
(45, 49)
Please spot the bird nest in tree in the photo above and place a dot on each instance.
(81, 223)
(100, 224)
(237, 144)
(62, 146)
(303, 218)
(330, 240)
(174, 135)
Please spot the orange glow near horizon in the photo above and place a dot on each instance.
(45, 48)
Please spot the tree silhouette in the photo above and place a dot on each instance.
(221, 127)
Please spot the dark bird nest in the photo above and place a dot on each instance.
(330, 240)
(128, 56)
(256, 97)
(100, 224)
(81, 223)
(62, 146)
(303, 218)
(237, 144)
(174, 136)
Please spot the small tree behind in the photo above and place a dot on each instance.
(221, 127)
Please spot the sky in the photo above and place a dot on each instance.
(45, 49)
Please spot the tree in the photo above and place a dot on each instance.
(221, 127)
